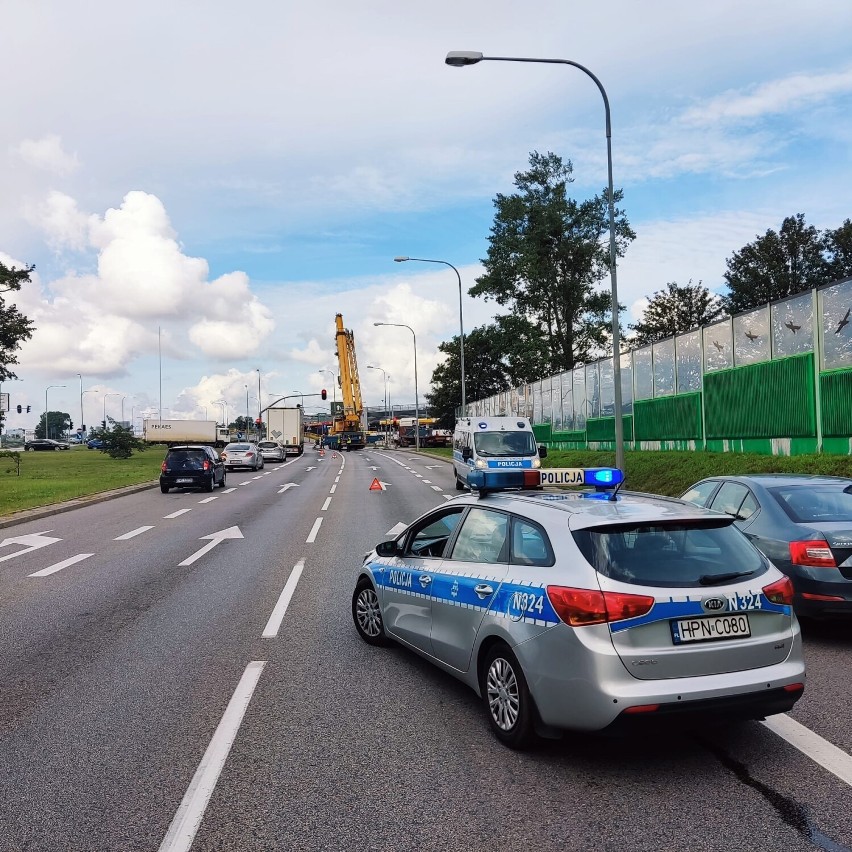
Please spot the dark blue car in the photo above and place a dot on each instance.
(95, 443)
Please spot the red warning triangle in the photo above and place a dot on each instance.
(375, 485)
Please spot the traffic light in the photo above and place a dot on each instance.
(19, 409)
(258, 422)
(324, 394)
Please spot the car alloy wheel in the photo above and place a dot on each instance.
(367, 614)
(507, 698)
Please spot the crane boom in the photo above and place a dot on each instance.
(348, 427)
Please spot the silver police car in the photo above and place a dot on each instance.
(586, 610)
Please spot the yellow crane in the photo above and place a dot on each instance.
(347, 430)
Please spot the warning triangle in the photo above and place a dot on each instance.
(375, 485)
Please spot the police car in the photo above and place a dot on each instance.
(588, 610)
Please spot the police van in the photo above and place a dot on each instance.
(494, 443)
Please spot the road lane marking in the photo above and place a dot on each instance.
(274, 623)
(812, 745)
(132, 533)
(247, 482)
(208, 499)
(31, 542)
(427, 481)
(177, 514)
(337, 479)
(229, 490)
(448, 496)
(312, 535)
(437, 488)
(325, 505)
(187, 820)
(60, 565)
(332, 489)
(215, 538)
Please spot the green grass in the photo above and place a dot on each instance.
(54, 477)
(671, 472)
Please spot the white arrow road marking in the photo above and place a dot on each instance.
(179, 512)
(287, 485)
(216, 538)
(60, 565)
(33, 541)
(396, 530)
(373, 467)
(312, 535)
(310, 468)
(326, 504)
(384, 484)
(274, 623)
(826, 754)
(132, 533)
(187, 820)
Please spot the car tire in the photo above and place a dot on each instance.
(57, 449)
(210, 484)
(224, 478)
(459, 484)
(164, 489)
(367, 614)
(507, 699)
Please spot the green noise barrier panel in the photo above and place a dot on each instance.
(835, 390)
(603, 428)
(668, 418)
(768, 400)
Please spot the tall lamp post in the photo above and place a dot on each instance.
(403, 259)
(80, 424)
(105, 399)
(385, 379)
(46, 425)
(460, 58)
(416, 397)
(333, 385)
(224, 411)
(91, 390)
(302, 396)
(259, 403)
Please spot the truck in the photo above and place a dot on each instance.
(430, 436)
(172, 432)
(347, 431)
(286, 426)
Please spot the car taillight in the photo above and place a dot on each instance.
(780, 592)
(815, 553)
(163, 467)
(206, 464)
(579, 607)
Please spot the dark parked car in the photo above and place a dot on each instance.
(191, 467)
(95, 443)
(802, 523)
(46, 444)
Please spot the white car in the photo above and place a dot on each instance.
(272, 451)
(242, 455)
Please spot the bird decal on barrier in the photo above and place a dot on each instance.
(752, 337)
(718, 346)
(843, 323)
(792, 326)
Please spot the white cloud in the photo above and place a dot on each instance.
(64, 225)
(47, 154)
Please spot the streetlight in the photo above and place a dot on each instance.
(224, 411)
(258, 393)
(91, 390)
(460, 58)
(416, 398)
(105, 399)
(46, 427)
(403, 259)
(302, 397)
(122, 408)
(333, 385)
(385, 378)
(80, 377)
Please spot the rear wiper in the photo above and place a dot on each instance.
(716, 579)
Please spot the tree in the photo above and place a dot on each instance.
(546, 254)
(118, 441)
(675, 310)
(837, 245)
(15, 328)
(59, 422)
(509, 352)
(776, 265)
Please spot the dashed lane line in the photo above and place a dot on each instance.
(277, 616)
(812, 745)
(133, 533)
(180, 512)
(45, 572)
(312, 535)
(326, 504)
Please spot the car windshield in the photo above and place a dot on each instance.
(187, 458)
(238, 448)
(703, 553)
(504, 443)
(815, 503)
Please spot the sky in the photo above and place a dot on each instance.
(202, 187)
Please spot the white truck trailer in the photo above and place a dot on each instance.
(209, 432)
(286, 426)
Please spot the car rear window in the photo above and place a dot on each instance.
(703, 554)
(805, 504)
(268, 445)
(240, 448)
(193, 457)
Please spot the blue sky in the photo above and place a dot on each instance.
(234, 176)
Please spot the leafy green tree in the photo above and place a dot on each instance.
(509, 352)
(15, 328)
(675, 310)
(776, 265)
(119, 442)
(546, 255)
(59, 422)
(837, 245)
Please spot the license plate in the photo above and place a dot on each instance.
(181, 481)
(710, 629)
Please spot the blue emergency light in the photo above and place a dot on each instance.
(603, 477)
(605, 480)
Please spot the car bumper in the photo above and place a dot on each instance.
(827, 595)
(181, 481)
(586, 686)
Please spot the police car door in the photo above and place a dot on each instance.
(407, 583)
(467, 584)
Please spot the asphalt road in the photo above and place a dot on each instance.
(160, 688)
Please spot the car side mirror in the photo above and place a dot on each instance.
(467, 453)
(542, 451)
(387, 548)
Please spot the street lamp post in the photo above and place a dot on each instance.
(91, 390)
(402, 259)
(80, 424)
(333, 385)
(105, 399)
(302, 397)
(385, 379)
(224, 411)
(122, 409)
(460, 58)
(259, 403)
(416, 397)
(46, 425)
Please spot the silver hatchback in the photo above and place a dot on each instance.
(587, 611)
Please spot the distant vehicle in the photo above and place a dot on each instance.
(272, 451)
(285, 425)
(208, 432)
(802, 523)
(46, 444)
(242, 455)
(95, 443)
(192, 467)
